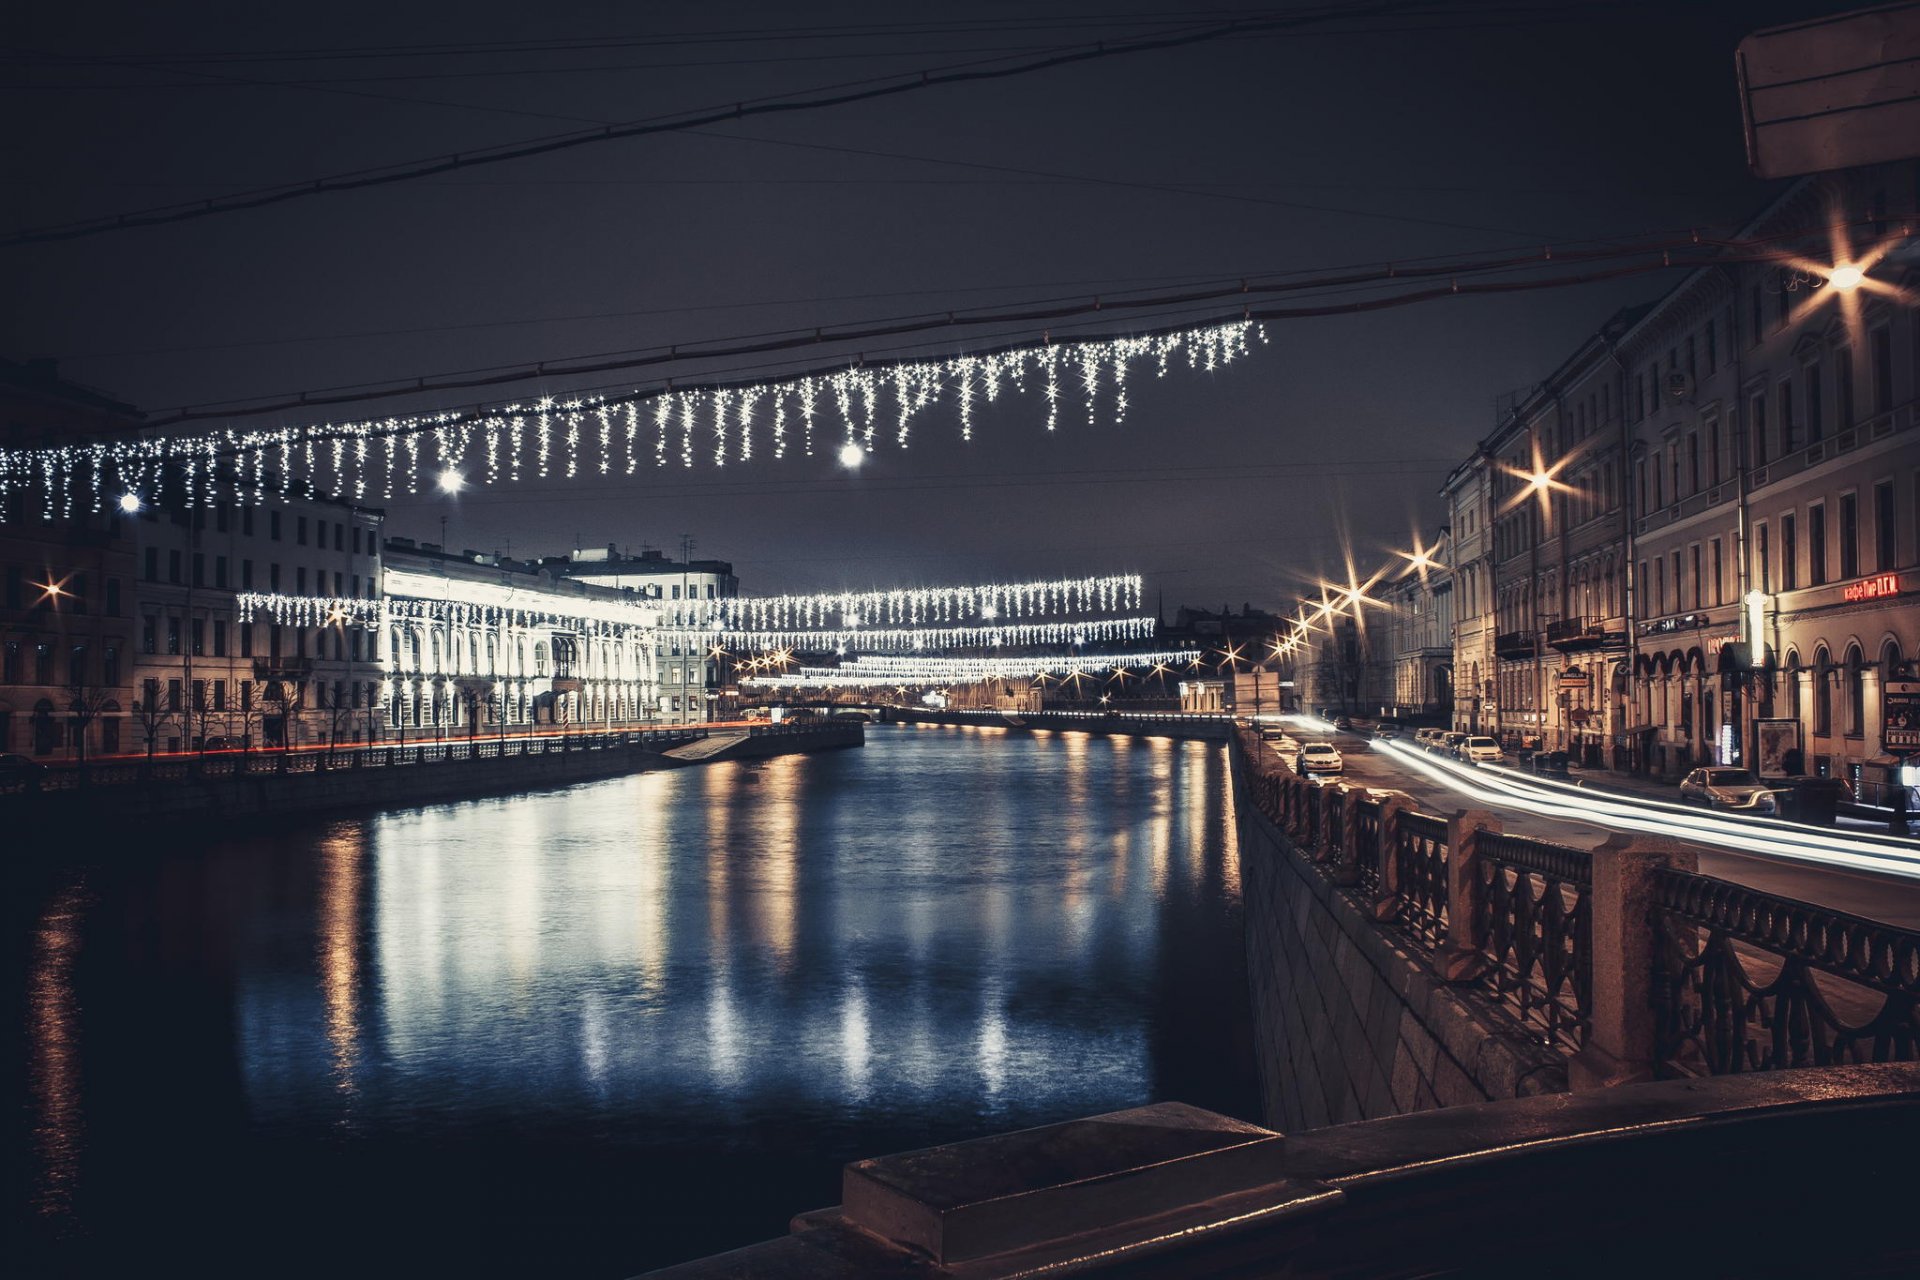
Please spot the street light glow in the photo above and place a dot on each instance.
(852, 455)
(130, 502)
(451, 481)
(1846, 276)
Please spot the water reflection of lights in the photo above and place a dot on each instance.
(53, 1075)
(339, 943)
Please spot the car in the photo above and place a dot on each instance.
(1320, 757)
(19, 768)
(1272, 733)
(1480, 750)
(1386, 730)
(1423, 738)
(1342, 722)
(1449, 743)
(1734, 790)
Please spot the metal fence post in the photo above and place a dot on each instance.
(1462, 956)
(1386, 897)
(1619, 1047)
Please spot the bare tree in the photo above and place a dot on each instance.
(290, 696)
(341, 713)
(200, 713)
(249, 714)
(152, 715)
(86, 702)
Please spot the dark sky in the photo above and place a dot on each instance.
(1480, 124)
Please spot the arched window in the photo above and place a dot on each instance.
(1792, 684)
(1822, 693)
(1856, 670)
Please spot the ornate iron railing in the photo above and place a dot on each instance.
(1420, 876)
(1746, 981)
(1366, 842)
(1535, 927)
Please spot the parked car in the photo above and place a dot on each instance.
(1480, 750)
(19, 768)
(1272, 733)
(1423, 738)
(1449, 744)
(1342, 722)
(1386, 730)
(1320, 757)
(1734, 790)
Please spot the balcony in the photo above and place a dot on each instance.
(1577, 635)
(1515, 644)
(282, 668)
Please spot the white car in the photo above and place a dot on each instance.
(1731, 789)
(1320, 757)
(1481, 750)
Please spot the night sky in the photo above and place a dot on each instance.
(1448, 128)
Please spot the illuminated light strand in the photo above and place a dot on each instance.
(986, 602)
(204, 466)
(911, 639)
(870, 671)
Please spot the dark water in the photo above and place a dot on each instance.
(598, 1030)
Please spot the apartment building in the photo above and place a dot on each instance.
(696, 681)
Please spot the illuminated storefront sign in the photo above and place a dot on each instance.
(1874, 588)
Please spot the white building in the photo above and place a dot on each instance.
(695, 680)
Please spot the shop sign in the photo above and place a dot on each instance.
(1877, 587)
(1667, 626)
(1900, 717)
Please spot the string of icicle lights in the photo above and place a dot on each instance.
(314, 611)
(381, 458)
(1117, 593)
(875, 671)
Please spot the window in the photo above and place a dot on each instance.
(222, 519)
(173, 636)
(273, 525)
(219, 695)
(220, 572)
(1816, 545)
(1880, 353)
(1843, 388)
(246, 575)
(43, 664)
(77, 666)
(1640, 476)
(1789, 553)
(356, 539)
(199, 569)
(219, 637)
(1784, 401)
(1815, 428)
(1693, 461)
(1676, 582)
(1719, 580)
(199, 629)
(1885, 553)
(300, 530)
(246, 639)
(110, 666)
(246, 521)
(273, 577)
(1713, 450)
(148, 640)
(1659, 587)
(339, 537)
(173, 567)
(173, 695)
(1849, 535)
(1757, 420)
(151, 571)
(1856, 677)
(1699, 582)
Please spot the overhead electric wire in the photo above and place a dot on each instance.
(1664, 258)
(812, 100)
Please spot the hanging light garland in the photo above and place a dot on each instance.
(912, 607)
(379, 458)
(917, 639)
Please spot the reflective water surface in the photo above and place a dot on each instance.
(602, 1029)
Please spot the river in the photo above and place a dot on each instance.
(600, 1029)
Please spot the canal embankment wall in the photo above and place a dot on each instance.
(180, 795)
(1349, 1024)
(1149, 724)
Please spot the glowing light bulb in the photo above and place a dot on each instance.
(451, 481)
(990, 612)
(130, 502)
(851, 456)
(1846, 276)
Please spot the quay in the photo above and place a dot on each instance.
(271, 786)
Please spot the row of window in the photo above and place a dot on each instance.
(348, 644)
(19, 659)
(306, 532)
(68, 593)
(344, 584)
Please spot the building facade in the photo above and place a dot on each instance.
(67, 604)
(212, 673)
(479, 644)
(1703, 529)
(1416, 631)
(696, 679)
